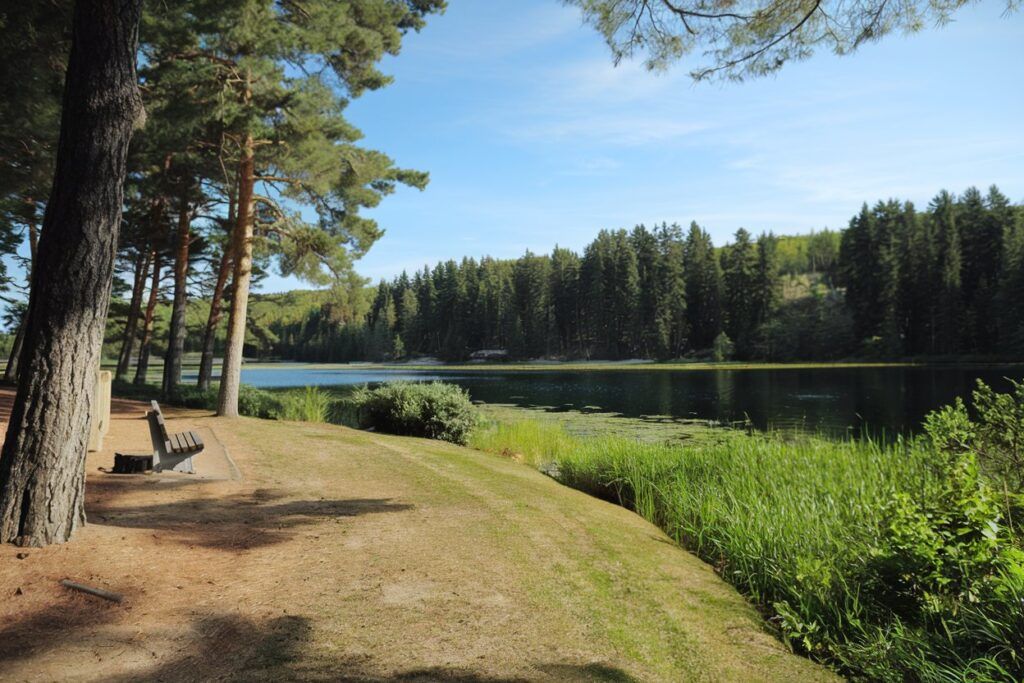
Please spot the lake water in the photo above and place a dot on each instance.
(832, 400)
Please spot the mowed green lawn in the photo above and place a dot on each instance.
(483, 567)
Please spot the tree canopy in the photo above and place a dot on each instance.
(740, 38)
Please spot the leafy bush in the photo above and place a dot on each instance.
(999, 434)
(193, 397)
(258, 403)
(435, 410)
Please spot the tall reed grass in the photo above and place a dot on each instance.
(309, 404)
(794, 524)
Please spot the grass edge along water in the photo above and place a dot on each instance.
(887, 560)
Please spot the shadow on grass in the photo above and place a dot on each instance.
(231, 648)
(57, 626)
(236, 522)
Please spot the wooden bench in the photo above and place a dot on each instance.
(171, 451)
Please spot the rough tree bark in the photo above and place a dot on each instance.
(216, 310)
(230, 376)
(142, 365)
(176, 334)
(131, 324)
(42, 466)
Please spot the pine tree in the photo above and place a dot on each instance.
(947, 292)
(671, 282)
(531, 277)
(565, 303)
(703, 277)
(651, 337)
(288, 132)
(740, 282)
(1011, 287)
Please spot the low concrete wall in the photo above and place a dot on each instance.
(100, 417)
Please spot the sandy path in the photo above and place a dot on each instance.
(343, 555)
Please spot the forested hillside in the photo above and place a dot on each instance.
(897, 282)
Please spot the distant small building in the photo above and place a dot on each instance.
(489, 354)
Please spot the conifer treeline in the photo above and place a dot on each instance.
(946, 281)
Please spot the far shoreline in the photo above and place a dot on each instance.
(617, 366)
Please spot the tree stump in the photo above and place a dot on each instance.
(132, 464)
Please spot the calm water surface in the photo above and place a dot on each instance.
(833, 400)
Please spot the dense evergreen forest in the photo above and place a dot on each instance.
(898, 282)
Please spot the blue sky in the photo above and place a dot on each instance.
(533, 137)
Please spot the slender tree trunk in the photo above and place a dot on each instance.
(217, 300)
(231, 373)
(216, 310)
(142, 365)
(176, 334)
(42, 466)
(11, 371)
(131, 324)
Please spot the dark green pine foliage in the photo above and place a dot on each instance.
(565, 300)
(859, 271)
(948, 294)
(983, 224)
(889, 222)
(703, 284)
(917, 264)
(651, 334)
(624, 279)
(1010, 299)
(671, 284)
(653, 294)
(34, 46)
(531, 278)
(743, 304)
(766, 292)
(595, 291)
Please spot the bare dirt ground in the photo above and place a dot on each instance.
(342, 555)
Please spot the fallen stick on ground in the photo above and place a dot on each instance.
(98, 592)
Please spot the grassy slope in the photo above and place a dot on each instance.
(583, 589)
(345, 555)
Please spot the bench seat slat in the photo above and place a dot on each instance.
(197, 440)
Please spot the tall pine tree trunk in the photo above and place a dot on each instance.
(131, 324)
(142, 366)
(216, 310)
(231, 374)
(176, 334)
(42, 466)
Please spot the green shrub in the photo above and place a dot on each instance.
(311, 404)
(194, 397)
(435, 410)
(258, 403)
